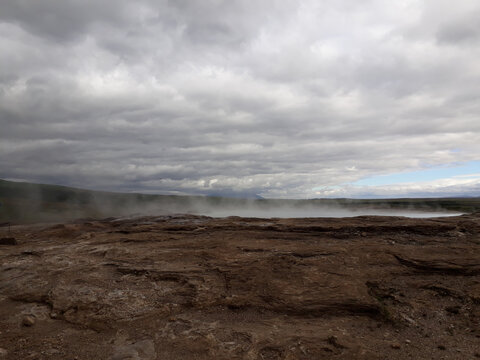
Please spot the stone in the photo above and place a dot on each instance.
(53, 315)
(395, 345)
(333, 340)
(28, 321)
(3, 353)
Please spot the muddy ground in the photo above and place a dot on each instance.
(192, 287)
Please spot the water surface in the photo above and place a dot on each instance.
(322, 212)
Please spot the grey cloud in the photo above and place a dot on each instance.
(61, 20)
(461, 31)
(227, 97)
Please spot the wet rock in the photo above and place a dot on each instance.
(28, 321)
(453, 309)
(8, 241)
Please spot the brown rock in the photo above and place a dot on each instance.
(28, 321)
(395, 345)
(242, 289)
(53, 315)
(333, 340)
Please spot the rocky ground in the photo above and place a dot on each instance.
(190, 287)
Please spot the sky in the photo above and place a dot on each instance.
(273, 98)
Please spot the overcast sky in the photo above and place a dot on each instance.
(292, 99)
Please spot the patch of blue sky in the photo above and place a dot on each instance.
(431, 174)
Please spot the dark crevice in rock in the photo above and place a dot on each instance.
(439, 266)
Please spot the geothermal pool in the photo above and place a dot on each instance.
(322, 212)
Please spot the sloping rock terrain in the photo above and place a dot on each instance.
(192, 287)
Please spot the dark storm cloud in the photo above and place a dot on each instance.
(280, 98)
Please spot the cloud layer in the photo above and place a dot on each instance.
(280, 98)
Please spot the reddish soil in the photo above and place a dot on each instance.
(191, 287)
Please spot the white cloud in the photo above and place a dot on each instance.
(453, 186)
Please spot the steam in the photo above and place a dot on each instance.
(22, 202)
(225, 207)
(286, 212)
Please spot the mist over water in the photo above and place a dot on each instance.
(45, 203)
(225, 207)
(285, 212)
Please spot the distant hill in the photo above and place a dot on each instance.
(26, 202)
(22, 202)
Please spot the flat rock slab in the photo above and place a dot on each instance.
(193, 287)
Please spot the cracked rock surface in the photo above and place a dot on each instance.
(192, 287)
